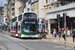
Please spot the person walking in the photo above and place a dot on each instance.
(40, 31)
(71, 32)
(73, 35)
(68, 33)
(63, 33)
(43, 35)
(60, 32)
(46, 31)
(43, 30)
(54, 33)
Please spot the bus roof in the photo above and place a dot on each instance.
(29, 12)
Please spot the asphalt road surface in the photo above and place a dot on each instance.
(31, 44)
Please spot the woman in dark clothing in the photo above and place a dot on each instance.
(73, 35)
(52, 31)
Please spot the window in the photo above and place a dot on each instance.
(14, 19)
(46, 1)
(46, 8)
(19, 28)
(12, 14)
(13, 9)
(54, 6)
(17, 0)
(12, 4)
(29, 28)
(30, 15)
(57, 5)
(14, 28)
(2, 11)
(11, 28)
(49, 7)
(20, 17)
(52, 0)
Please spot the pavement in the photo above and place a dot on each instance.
(69, 40)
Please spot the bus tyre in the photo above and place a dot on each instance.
(40, 36)
(43, 35)
(20, 37)
(11, 35)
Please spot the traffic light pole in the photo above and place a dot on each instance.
(65, 25)
(59, 30)
(58, 20)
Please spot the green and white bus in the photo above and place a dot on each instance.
(28, 25)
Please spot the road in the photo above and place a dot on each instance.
(13, 43)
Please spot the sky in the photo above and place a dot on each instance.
(2, 2)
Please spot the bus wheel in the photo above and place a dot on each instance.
(39, 36)
(43, 35)
(11, 35)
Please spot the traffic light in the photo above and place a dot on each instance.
(58, 17)
(64, 15)
(67, 17)
(61, 19)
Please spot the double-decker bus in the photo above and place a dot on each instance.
(14, 24)
(28, 25)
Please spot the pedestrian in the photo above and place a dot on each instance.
(71, 32)
(67, 30)
(46, 31)
(63, 33)
(60, 32)
(73, 35)
(68, 33)
(43, 30)
(40, 31)
(54, 33)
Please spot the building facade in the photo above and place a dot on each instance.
(28, 6)
(11, 8)
(44, 5)
(17, 6)
(60, 8)
(1, 18)
(35, 6)
(23, 5)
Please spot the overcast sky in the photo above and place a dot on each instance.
(2, 2)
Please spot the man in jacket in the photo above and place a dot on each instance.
(73, 35)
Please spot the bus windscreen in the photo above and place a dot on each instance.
(30, 15)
